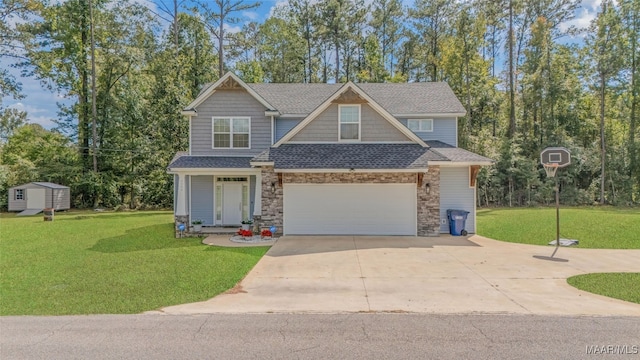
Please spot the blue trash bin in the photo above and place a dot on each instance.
(457, 219)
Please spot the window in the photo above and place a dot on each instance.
(349, 122)
(417, 125)
(231, 132)
(19, 194)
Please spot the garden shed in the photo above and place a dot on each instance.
(39, 196)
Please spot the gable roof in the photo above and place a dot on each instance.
(418, 98)
(209, 89)
(372, 103)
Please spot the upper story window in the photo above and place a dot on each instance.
(349, 119)
(19, 194)
(231, 132)
(417, 125)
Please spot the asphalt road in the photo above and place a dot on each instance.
(300, 336)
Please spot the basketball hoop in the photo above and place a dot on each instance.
(551, 169)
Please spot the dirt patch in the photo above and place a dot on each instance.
(236, 290)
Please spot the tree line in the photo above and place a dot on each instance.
(526, 79)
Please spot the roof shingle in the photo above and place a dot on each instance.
(190, 162)
(349, 156)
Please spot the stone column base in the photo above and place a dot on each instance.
(184, 220)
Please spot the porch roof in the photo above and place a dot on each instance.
(204, 162)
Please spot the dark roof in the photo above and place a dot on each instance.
(51, 185)
(456, 154)
(396, 98)
(191, 162)
(349, 156)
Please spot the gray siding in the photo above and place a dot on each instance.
(230, 103)
(456, 194)
(374, 127)
(202, 199)
(444, 129)
(59, 199)
(283, 126)
(377, 128)
(322, 128)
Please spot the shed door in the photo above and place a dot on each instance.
(35, 198)
(350, 209)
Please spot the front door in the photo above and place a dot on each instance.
(232, 203)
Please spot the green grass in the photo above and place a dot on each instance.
(623, 286)
(109, 263)
(595, 228)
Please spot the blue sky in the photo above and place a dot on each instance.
(40, 103)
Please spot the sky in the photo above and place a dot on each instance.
(41, 103)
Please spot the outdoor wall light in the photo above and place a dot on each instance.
(427, 187)
(273, 187)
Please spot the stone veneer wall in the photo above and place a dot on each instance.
(272, 202)
(428, 211)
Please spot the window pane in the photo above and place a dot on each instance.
(221, 125)
(348, 114)
(241, 125)
(240, 140)
(427, 125)
(221, 141)
(413, 125)
(349, 131)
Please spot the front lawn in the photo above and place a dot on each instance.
(109, 263)
(595, 228)
(623, 286)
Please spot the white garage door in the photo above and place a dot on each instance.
(350, 209)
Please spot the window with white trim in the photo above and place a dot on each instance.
(349, 119)
(420, 125)
(231, 132)
(19, 194)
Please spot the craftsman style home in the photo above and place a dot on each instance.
(352, 159)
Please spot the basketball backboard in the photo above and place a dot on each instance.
(555, 155)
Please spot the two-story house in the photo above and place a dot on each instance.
(354, 159)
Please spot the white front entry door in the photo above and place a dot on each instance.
(232, 203)
(350, 209)
(35, 198)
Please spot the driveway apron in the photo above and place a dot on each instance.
(335, 274)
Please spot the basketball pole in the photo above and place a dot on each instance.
(557, 216)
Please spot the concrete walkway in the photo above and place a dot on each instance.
(425, 275)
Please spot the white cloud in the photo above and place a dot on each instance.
(36, 115)
(582, 19)
(251, 15)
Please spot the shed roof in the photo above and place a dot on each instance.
(49, 185)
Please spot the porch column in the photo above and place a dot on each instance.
(181, 201)
(257, 206)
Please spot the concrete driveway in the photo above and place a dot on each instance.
(329, 274)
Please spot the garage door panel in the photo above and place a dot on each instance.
(358, 209)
